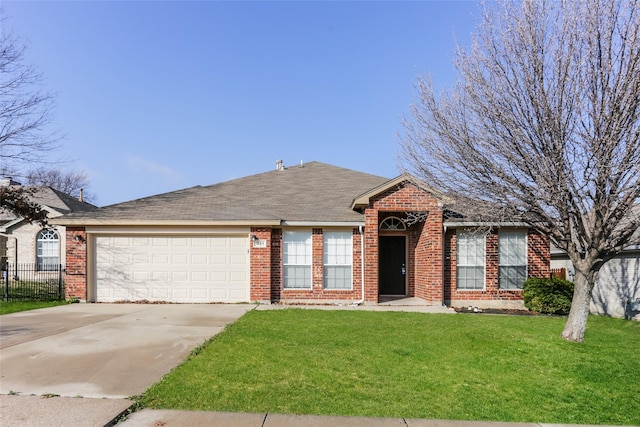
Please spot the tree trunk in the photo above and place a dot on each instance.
(576, 324)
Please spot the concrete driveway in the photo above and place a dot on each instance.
(103, 350)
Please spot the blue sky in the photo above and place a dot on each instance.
(158, 96)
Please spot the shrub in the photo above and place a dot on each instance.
(548, 296)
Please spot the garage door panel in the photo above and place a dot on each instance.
(238, 277)
(141, 258)
(199, 276)
(177, 259)
(238, 259)
(199, 259)
(179, 276)
(176, 269)
(160, 294)
(199, 242)
(199, 293)
(140, 242)
(218, 243)
(179, 242)
(159, 241)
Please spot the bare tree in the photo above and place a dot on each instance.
(18, 200)
(69, 182)
(25, 112)
(543, 126)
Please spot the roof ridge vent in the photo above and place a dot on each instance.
(279, 165)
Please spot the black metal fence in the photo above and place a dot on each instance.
(33, 282)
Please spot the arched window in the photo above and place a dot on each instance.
(392, 223)
(47, 250)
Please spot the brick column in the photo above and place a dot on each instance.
(260, 268)
(491, 264)
(317, 261)
(371, 256)
(76, 263)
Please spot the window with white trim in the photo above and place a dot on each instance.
(470, 260)
(512, 258)
(337, 258)
(296, 259)
(47, 250)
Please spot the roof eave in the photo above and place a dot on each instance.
(151, 222)
(454, 224)
(6, 227)
(362, 201)
(323, 223)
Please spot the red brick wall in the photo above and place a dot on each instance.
(76, 263)
(538, 255)
(357, 264)
(276, 264)
(538, 258)
(317, 291)
(424, 255)
(260, 258)
(371, 255)
(317, 261)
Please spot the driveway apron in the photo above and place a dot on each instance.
(103, 350)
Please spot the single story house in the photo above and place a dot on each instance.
(24, 243)
(310, 233)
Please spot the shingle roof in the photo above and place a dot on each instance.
(54, 199)
(61, 202)
(314, 192)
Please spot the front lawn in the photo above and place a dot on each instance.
(382, 364)
(15, 306)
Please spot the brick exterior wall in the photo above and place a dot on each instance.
(76, 269)
(424, 254)
(538, 259)
(260, 266)
(538, 255)
(317, 293)
(275, 282)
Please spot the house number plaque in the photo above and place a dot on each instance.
(259, 243)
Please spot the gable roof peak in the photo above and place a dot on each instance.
(362, 201)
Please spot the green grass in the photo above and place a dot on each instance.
(467, 367)
(15, 306)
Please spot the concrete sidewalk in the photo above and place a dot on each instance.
(165, 418)
(38, 411)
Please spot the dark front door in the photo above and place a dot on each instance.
(392, 265)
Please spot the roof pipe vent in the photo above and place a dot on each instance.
(279, 165)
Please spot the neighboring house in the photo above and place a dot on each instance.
(24, 243)
(617, 290)
(312, 233)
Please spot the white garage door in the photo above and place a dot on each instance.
(172, 268)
